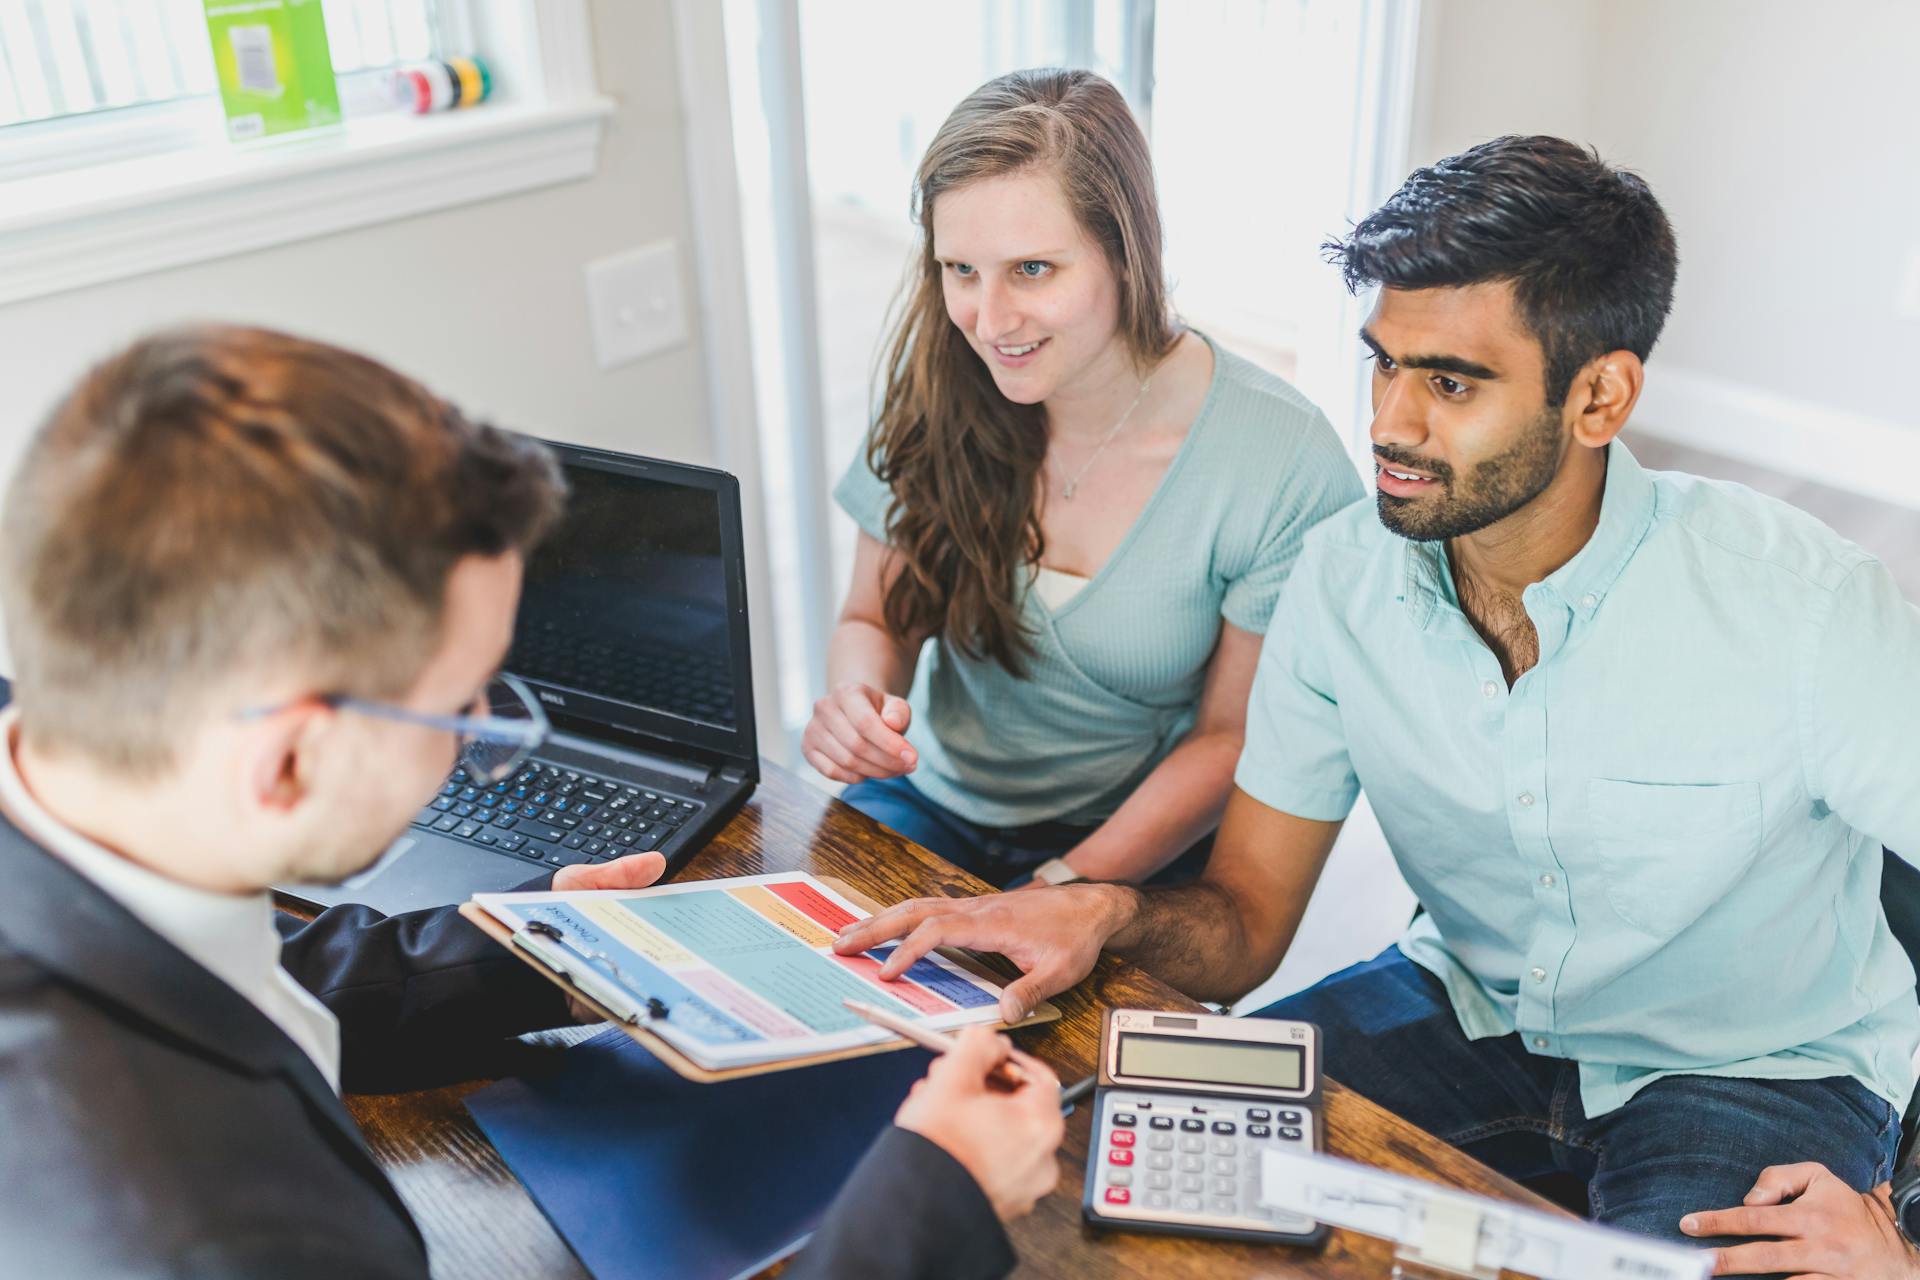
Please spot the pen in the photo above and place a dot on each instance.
(616, 997)
(1005, 1076)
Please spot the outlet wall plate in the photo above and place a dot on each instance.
(1907, 305)
(636, 303)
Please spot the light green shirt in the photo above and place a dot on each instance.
(1117, 670)
(1659, 853)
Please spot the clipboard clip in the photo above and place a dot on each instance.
(615, 992)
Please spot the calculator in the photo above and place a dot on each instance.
(1185, 1105)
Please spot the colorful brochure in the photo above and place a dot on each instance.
(735, 972)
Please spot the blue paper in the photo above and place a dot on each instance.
(650, 1176)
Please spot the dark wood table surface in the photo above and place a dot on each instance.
(479, 1222)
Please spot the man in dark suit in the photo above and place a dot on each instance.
(255, 589)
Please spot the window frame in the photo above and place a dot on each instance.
(159, 186)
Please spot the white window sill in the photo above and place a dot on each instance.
(107, 222)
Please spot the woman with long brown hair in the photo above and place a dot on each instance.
(1088, 507)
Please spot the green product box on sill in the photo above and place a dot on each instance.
(276, 73)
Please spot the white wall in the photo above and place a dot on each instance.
(1779, 137)
(484, 304)
(1489, 67)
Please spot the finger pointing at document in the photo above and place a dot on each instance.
(1053, 934)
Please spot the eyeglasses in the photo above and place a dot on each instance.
(500, 730)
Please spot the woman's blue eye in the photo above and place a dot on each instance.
(1035, 270)
(960, 268)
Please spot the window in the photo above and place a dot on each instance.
(1273, 122)
(113, 152)
(65, 58)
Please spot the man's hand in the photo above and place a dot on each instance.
(1054, 934)
(635, 871)
(1822, 1227)
(856, 732)
(1005, 1140)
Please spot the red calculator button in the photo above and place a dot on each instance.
(1121, 1137)
(1120, 1157)
(1118, 1195)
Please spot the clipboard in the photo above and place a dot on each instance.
(682, 1065)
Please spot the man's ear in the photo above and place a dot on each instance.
(1602, 397)
(280, 751)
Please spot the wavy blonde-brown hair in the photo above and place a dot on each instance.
(961, 459)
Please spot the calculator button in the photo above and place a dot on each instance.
(1125, 1119)
(1259, 1113)
(1225, 1126)
(1193, 1164)
(1119, 1177)
(1224, 1166)
(1192, 1182)
(1194, 1126)
(1224, 1186)
(1160, 1141)
(1258, 1131)
(1192, 1144)
(1120, 1138)
(1226, 1205)
(1157, 1200)
(1189, 1204)
(1119, 1195)
(1159, 1162)
(1159, 1181)
(1161, 1122)
(1225, 1146)
(1120, 1157)
(1290, 1133)
(1289, 1117)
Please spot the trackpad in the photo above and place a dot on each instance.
(425, 871)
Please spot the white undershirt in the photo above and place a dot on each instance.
(230, 936)
(1056, 586)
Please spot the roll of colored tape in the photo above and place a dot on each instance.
(412, 91)
(472, 86)
(440, 85)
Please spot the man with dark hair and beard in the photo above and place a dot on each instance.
(1634, 738)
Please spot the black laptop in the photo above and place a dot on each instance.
(632, 633)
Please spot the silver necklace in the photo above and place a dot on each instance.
(1074, 483)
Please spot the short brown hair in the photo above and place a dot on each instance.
(219, 500)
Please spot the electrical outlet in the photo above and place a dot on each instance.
(636, 305)
(1908, 304)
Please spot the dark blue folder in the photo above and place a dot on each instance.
(647, 1174)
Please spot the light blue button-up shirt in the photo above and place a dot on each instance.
(1658, 853)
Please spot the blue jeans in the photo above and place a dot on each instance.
(1681, 1144)
(1002, 856)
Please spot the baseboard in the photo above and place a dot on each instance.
(1854, 452)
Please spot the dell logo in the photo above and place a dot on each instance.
(554, 698)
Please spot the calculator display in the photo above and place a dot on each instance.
(1238, 1062)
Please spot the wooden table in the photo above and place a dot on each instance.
(479, 1222)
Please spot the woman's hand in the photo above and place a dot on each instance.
(856, 732)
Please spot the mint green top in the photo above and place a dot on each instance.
(1115, 679)
(1658, 853)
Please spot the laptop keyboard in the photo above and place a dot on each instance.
(554, 816)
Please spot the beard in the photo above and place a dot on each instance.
(1493, 489)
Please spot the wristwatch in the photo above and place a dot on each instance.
(1056, 871)
(1905, 1194)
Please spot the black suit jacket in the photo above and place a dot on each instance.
(154, 1123)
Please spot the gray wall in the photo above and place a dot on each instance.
(485, 304)
(1780, 137)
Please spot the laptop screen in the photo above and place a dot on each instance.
(627, 602)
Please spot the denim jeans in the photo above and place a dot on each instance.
(1003, 856)
(1681, 1144)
